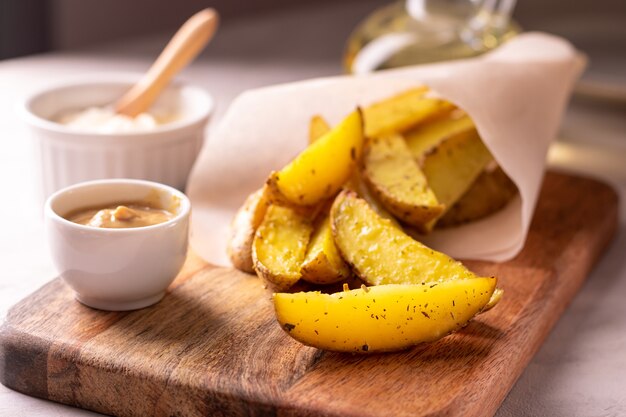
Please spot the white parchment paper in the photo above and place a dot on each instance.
(516, 96)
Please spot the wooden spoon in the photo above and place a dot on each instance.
(186, 44)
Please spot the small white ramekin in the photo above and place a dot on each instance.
(66, 156)
(117, 269)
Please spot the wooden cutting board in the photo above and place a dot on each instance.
(212, 347)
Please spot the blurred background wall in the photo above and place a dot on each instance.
(32, 26)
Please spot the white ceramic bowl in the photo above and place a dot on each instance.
(117, 269)
(67, 156)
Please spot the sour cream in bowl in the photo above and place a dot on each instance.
(79, 138)
(105, 120)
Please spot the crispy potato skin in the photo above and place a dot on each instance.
(396, 180)
(320, 170)
(280, 245)
(381, 253)
(322, 263)
(402, 112)
(491, 191)
(383, 318)
(243, 228)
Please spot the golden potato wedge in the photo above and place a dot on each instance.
(243, 228)
(359, 186)
(317, 128)
(402, 112)
(322, 263)
(397, 181)
(429, 135)
(494, 300)
(280, 245)
(491, 191)
(383, 318)
(319, 171)
(380, 253)
(453, 166)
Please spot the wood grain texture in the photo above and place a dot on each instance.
(213, 346)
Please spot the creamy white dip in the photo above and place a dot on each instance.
(105, 120)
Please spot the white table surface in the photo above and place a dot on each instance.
(581, 368)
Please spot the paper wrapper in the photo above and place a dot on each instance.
(516, 96)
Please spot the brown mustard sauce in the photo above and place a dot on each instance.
(122, 215)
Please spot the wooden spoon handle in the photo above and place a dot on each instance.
(186, 44)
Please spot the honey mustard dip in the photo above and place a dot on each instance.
(118, 216)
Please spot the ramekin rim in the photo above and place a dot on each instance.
(49, 212)
(112, 77)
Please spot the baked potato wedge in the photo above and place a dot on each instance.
(396, 180)
(402, 111)
(280, 245)
(427, 136)
(453, 166)
(319, 171)
(491, 191)
(381, 253)
(322, 262)
(318, 127)
(359, 186)
(243, 228)
(383, 318)
(494, 300)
